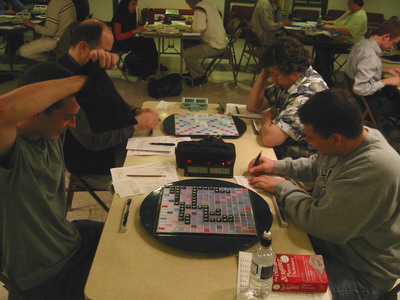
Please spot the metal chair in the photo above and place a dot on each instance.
(121, 63)
(392, 294)
(78, 184)
(252, 48)
(228, 54)
(368, 115)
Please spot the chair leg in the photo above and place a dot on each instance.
(91, 192)
(120, 59)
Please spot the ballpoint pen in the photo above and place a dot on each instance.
(237, 110)
(145, 175)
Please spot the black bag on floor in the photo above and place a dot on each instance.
(167, 86)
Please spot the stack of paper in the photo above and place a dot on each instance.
(153, 176)
(157, 145)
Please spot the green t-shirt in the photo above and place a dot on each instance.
(36, 240)
(356, 24)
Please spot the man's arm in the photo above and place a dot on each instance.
(256, 101)
(24, 102)
(269, 24)
(199, 20)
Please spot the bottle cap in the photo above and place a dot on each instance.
(266, 239)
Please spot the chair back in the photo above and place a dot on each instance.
(232, 26)
(362, 102)
(251, 38)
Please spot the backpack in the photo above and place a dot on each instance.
(167, 86)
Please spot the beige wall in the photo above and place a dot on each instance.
(102, 9)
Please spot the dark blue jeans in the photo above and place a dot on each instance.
(345, 283)
(70, 282)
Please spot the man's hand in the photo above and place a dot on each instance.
(392, 71)
(147, 119)
(266, 166)
(395, 80)
(29, 23)
(265, 182)
(106, 59)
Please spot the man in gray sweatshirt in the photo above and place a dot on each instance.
(353, 212)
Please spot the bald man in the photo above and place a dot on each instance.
(105, 121)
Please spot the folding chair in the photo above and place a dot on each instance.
(228, 54)
(253, 48)
(392, 294)
(365, 109)
(121, 63)
(78, 184)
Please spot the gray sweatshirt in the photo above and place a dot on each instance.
(354, 207)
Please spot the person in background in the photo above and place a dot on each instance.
(126, 30)
(60, 14)
(213, 41)
(364, 66)
(351, 27)
(353, 213)
(43, 254)
(267, 20)
(94, 146)
(288, 64)
(10, 7)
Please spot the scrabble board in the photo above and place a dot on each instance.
(205, 124)
(206, 210)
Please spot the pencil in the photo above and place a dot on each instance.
(145, 175)
(237, 110)
(257, 161)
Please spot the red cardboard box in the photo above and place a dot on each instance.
(299, 273)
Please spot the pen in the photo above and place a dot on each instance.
(257, 161)
(163, 144)
(145, 175)
(125, 216)
(237, 110)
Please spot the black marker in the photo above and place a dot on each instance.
(257, 161)
(163, 144)
(237, 110)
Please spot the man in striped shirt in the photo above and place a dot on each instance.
(60, 14)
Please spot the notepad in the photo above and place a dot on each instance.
(241, 111)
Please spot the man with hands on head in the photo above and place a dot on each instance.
(352, 214)
(42, 253)
(288, 64)
(105, 121)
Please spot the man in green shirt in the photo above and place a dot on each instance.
(42, 253)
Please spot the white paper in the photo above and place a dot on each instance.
(244, 180)
(130, 186)
(240, 110)
(243, 277)
(142, 145)
(165, 105)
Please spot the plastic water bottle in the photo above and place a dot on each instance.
(262, 266)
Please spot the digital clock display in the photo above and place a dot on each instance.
(209, 171)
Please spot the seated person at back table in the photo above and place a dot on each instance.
(352, 27)
(213, 41)
(10, 7)
(266, 20)
(364, 66)
(294, 81)
(43, 254)
(91, 151)
(60, 14)
(353, 213)
(125, 26)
